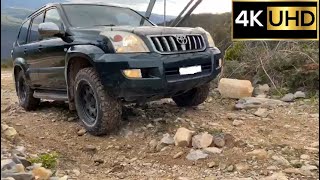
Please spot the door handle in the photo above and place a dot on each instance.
(40, 48)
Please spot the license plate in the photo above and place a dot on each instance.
(190, 70)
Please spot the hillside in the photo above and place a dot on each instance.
(9, 30)
(19, 13)
(29, 4)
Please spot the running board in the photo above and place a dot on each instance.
(51, 95)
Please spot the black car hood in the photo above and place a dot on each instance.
(142, 30)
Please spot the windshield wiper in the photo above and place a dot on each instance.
(105, 25)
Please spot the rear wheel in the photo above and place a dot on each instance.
(193, 97)
(25, 93)
(99, 112)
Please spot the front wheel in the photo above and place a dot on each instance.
(99, 112)
(193, 97)
(25, 93)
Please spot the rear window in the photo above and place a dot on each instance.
(22, 37)
(34, 33)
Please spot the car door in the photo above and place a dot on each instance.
(21, 53)
(32, 49)
(53, 51)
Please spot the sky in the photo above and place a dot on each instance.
(174, 7)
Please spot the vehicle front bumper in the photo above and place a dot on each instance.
(161, 76)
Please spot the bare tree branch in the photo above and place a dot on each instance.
(269, 77)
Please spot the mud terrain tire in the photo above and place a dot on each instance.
(99, 112)
(25, 93)
(193, 97)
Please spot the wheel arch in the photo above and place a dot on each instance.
(77, 58)
(19, 64)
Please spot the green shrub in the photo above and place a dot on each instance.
(288, 65)
(235, 52)
(48, 160)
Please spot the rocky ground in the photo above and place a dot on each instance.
(261, 139)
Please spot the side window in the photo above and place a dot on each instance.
(52, 15)
(34, 34)
(22, 37)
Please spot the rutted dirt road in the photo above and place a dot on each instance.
(288, 132)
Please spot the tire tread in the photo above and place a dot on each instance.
(110, 107)
(31, 103)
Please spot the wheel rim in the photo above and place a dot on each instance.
(22, 89)
(88, 103)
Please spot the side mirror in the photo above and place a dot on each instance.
(49, 29)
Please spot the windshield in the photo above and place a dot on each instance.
(84, 15)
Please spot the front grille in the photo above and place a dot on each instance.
(172, 74)
(171, 43)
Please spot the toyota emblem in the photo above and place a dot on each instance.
(182, 39)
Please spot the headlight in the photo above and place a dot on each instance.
(210, 40)
(124, 42)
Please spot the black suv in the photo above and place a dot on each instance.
(96, 57)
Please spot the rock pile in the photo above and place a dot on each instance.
(202, 144)
(19, 168)
(243, 90)
(15, 164)
(291, 97)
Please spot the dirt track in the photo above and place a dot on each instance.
(287, 132)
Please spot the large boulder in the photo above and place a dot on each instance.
(235, 88)
(183, 137)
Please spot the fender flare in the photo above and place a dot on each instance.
(22, 64)
(88, 52)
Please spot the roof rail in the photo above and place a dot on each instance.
(49, 4)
